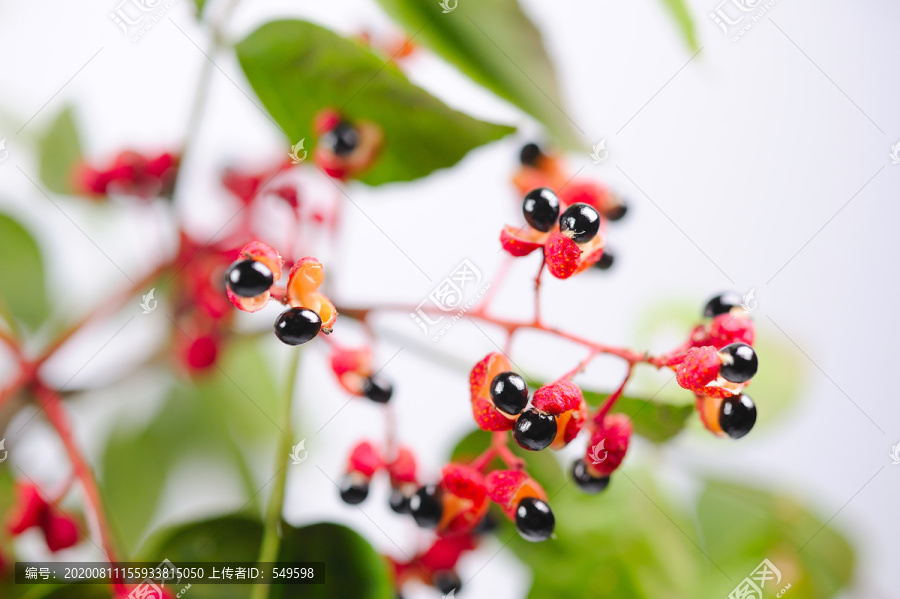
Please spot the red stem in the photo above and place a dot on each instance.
(52, 406)
(537, 289)
(611, 400)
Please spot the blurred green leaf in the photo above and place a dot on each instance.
(297, 69)
(494, 43)
(214, 417)
(352, 567)
(201, 4)
(679, 11)
(742, 526)
(655, 421)
(60, 152)
(625, 542)
(22, 286)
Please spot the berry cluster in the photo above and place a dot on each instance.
(130, 173)
(582, 207)
(250, 285)
(345, 149)
(31, 510)
(499, 398)
(717, 362)
(570, 236)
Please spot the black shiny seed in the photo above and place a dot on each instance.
(296, 326)
(737, 416)
(616, 212)
(541, 208)
(534, 520)
(585, 481)
(249, 278)
(354, 489)
(446, 581)
(722, 304)
(581, 222)
(343, 139)
(607, 259)
(399, 501)
(426, 506)
(378, 389)
(530, 154)
(509, 392)
(739, 362)
(534, 430)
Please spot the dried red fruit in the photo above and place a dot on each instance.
(698, 368)
(403, 468)
(365, 459)
(303, 285)
(608, 445)
(486, 415)
(28, 510)
(60, 531)
(464, 499)
(564, 400)
(352, 367)
(521, 241)
(346, 164)
(202, 353)
(507, 488)
(266, 254)
(565, 258)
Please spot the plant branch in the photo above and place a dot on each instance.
(52, 406)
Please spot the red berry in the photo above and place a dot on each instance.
(60, 531)
(29, 509)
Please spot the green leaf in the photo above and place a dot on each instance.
(679, 11)
(352, 567)
(494, 43)
(22, 287)
(217, 417)
(743, 526)
(297, 69)
(60, 152)
(201, 4)
(655, 421)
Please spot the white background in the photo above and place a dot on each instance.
(764, 161)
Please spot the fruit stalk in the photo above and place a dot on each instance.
(270, 543)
